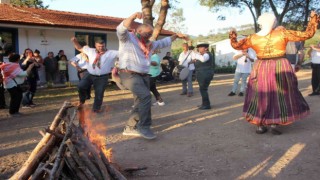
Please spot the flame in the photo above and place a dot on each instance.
(95, 130)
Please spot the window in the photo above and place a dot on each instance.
(89, 38)
(8, 41)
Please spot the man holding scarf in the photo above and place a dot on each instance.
(135, 51)
(100, 63)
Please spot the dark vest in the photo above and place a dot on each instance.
(204, 65)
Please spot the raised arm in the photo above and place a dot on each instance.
(239, 45)
(303, 35)
(76, 44)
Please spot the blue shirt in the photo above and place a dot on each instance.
(154, 71)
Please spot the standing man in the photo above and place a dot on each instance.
(99, 66)
(314, 54)
(186, 61)
(243, 69)
(80, 62)
(203, 62)
(135, 51)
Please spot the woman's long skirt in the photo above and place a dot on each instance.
(272, 96)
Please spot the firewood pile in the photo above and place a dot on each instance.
(67, 152)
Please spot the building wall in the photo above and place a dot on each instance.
(224, 53)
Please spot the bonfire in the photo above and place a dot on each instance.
(70, 149)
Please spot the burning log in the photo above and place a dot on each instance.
(67, 152)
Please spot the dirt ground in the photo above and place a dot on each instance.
(191, 143)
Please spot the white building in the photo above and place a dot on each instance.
(50, 30)
(224, 52)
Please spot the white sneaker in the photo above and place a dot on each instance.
(159, 103)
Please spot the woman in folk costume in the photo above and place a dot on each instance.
(273, 97)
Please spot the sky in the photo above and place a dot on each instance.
(199, 20)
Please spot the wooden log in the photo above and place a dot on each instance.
(85, 159)
(60, 155)
(74, 154)
(55, 133)
(111, 169)
(92, 150)
(39, 151)
(73, 167)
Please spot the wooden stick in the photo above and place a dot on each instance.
(54, 172)
(31, 164)
(112, 170)
(94, 153)
(74, 154)
(73, 166)
(90, 166)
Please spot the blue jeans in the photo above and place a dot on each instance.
(139, 85)
(189, 82)
(99, 85)
(237, 77)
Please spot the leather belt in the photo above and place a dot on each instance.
(133, 72)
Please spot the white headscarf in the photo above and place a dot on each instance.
(267, 21)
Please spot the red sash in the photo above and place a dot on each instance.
(96, 61)
(144, 46)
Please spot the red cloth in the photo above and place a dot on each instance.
(10, 71)
(145, 45)
(96, 61)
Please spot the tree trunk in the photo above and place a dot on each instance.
(161, 20)
(147, 11)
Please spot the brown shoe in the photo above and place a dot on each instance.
(190, 94)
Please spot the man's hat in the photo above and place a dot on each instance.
(202, 44)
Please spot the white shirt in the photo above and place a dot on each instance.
(131, 56)
(80, 60)
(315, 57)
(242, 66)
(203, 58)
(106, 61)
(182, 59)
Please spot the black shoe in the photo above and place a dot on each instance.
(240, 94)
(231, 94)
(183, 93)
(204, 107)
(261, 130)
(314, 94)
(275, 130)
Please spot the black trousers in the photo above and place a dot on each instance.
(153, 88)
(16, 97)
(315, 79)
(2, 99)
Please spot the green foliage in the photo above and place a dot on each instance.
(29, 3)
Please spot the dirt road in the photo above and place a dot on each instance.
(191, 143)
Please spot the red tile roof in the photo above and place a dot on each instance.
(52, 18)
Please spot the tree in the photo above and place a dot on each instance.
(175, 20)
(148, 18)
(288, 11)
(29, 3)
(254, 6)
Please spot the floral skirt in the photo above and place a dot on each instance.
(272, 96)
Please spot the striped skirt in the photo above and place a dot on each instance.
(272, 96)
